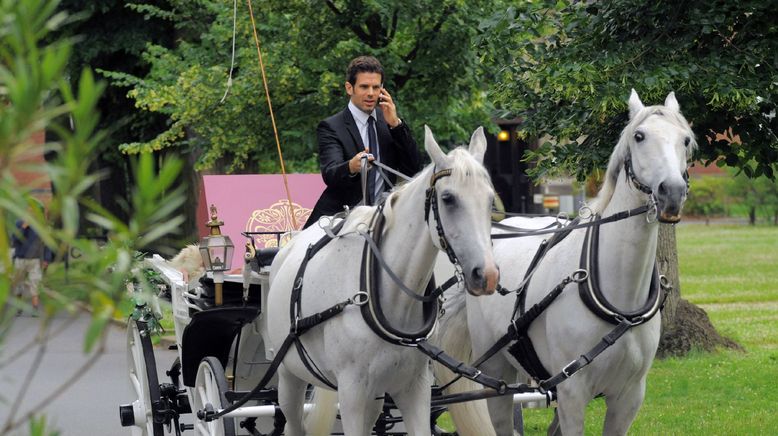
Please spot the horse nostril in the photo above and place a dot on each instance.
(662, 189)
(478, 273)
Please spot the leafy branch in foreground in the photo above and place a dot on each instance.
(35, 95)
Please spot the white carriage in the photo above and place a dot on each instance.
(221, 354)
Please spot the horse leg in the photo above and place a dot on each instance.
(414, 404)
(501, 408)
(359, 407)
(501, 414)
(570, 412)
(622, 410)
(291, 399)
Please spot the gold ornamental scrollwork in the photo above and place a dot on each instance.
(276, 218)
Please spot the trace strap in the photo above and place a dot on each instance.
(585, 359)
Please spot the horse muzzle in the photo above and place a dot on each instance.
(669, 201)
(482, 280)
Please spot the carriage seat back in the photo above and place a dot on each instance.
(265, 256)
(232, 293)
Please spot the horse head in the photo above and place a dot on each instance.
(459, 204)
(659, 143)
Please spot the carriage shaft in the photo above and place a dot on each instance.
(520, 398)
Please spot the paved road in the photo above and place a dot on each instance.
(89, 407)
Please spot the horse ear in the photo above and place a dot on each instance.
(635, 105)
(672, 103)
(478, 144)
(433, 149)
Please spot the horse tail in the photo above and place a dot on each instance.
(320, 420)
(471, 418)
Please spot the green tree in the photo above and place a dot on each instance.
(424, 46)
(35, 94)
(566, 68)
(707, 197)
(759, 195)
(108, 35)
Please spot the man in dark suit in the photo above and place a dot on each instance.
(369, 126)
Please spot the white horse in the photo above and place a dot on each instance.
(656, 144)
(344, 350)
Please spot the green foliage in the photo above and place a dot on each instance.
(567, 68)
(432, 72)
(109, 35)
(759, 195)
(35, 95)
(707, 196)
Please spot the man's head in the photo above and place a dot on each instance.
(364, 79)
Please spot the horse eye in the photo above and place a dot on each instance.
(687, 141)
(448, 198)
(639, 136)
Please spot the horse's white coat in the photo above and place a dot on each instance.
(347, 352)
(567, 328)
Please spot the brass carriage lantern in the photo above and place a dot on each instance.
(216, 250)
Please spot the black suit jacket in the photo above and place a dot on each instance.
(339, 141)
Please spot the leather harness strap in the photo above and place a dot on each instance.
(587, 278)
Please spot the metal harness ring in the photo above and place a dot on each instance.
(360, 298)
(579, 275)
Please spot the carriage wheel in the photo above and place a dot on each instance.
(143, 382)
(210, 386)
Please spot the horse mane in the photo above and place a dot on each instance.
(463, 166)
(621, 150)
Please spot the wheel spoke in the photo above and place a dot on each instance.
(144, 385)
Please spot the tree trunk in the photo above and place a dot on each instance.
(684, 326)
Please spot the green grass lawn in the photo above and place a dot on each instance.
(732, 273)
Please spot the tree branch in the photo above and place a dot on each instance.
(400, 80)
(361, 34)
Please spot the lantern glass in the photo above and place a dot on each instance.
(216, 251)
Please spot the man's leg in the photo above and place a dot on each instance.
(34, 275)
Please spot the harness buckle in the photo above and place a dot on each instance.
(652, 212)
(568, 371)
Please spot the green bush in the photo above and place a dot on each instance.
(708, 196)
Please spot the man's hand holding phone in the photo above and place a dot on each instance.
(390, 110)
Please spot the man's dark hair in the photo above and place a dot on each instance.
(363, 64)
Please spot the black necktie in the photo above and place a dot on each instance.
(375, 184)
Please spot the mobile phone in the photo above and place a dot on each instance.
(380, 94)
